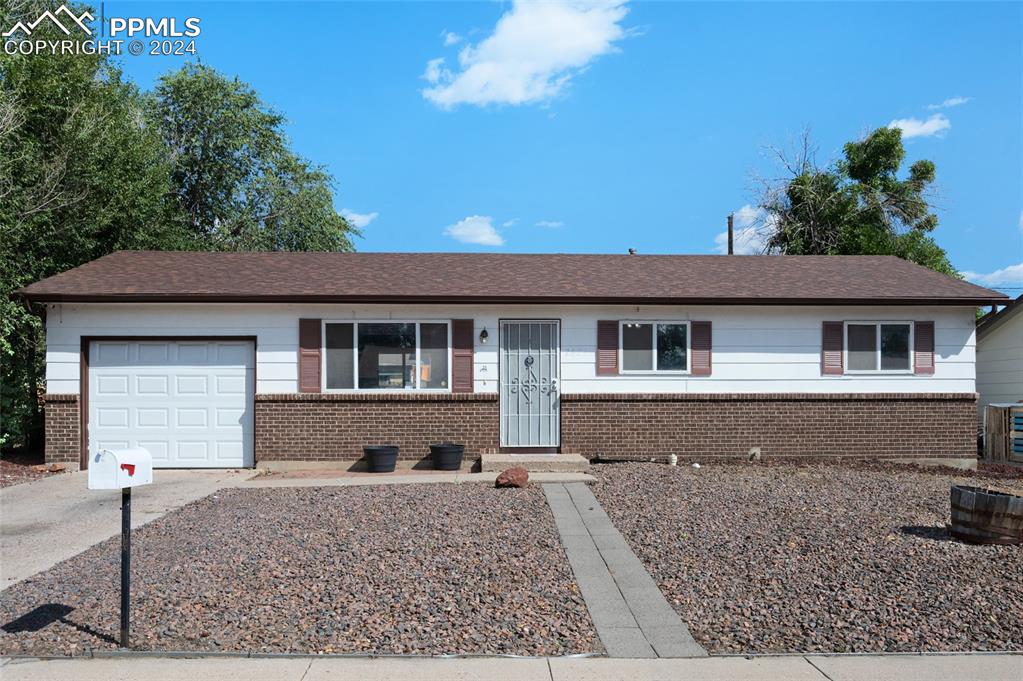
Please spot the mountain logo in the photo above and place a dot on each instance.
(68, 15)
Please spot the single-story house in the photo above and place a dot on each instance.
(1000, 357)
(242, 359)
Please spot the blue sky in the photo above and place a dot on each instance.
(597, 127)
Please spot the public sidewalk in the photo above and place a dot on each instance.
(952, 667)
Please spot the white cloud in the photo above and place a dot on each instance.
(534, 52)
(1013, 274)
(434, 69)
(509, 223)
(752, 227)
(358, 220)
(450, 38)
(475, 229)
(550, 224)
(950, 102)
(936, 124)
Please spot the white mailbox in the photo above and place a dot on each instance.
(120, 468)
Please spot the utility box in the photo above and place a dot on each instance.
(120, 468)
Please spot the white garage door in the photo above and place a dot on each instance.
(190, 403)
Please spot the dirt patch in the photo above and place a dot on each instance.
(19, 467)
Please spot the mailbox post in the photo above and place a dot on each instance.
(125, 564)
(122, 469)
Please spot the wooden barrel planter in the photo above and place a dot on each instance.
(986, 516)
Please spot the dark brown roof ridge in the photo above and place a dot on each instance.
(584, 278)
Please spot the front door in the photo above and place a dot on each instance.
(529, 374)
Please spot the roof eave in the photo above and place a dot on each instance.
(992, 321)
(505, 300)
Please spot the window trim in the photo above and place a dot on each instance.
(653, 347)
(355, 357)
(908, 371)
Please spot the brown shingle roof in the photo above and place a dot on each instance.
(504, 277)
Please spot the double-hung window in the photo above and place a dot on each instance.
(654, 347)
(387, 356)
(879, 347)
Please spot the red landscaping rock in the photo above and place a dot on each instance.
(513, 477)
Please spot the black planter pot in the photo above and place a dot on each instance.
(381, 458)
(447, 456)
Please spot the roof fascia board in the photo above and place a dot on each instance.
(503, 300)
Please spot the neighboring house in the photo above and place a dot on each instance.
(236, 359)
(1000, 357)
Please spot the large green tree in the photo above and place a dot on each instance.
(234, 174)
(859, 205)
(90, 165)
(81, 175)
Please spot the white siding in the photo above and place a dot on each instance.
(755, 349)
(1000, 364)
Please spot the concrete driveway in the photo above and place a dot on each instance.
(49, 520)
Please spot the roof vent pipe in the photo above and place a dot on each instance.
(730, 235)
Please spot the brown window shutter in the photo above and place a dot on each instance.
(607, 347)
(923, 348)
(700, 344)
(309, 355)
(461, 355)
(831, 349)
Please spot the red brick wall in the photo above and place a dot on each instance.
(326, 427)
(805, 425)
(334, 427)
(63, 441)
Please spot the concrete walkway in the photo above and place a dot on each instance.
(398, 478)
(978, 667)
(46, 521)
(631, 616)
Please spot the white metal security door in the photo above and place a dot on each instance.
(529, 373)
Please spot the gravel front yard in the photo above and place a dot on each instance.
(817, 558)
(405, 569)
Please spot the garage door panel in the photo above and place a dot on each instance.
(111, 354)
(229, 450)
(193, 451)
(227, 418)
(116, 384)
(192, 385)
(153, 417)
(230, 385)
(232, 354)
(153, 354)
(189, 353)
(111, 417)
(151, 384)
(190, 403)
(158, 448)
(191, 418)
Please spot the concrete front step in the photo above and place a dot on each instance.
(550, 463)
